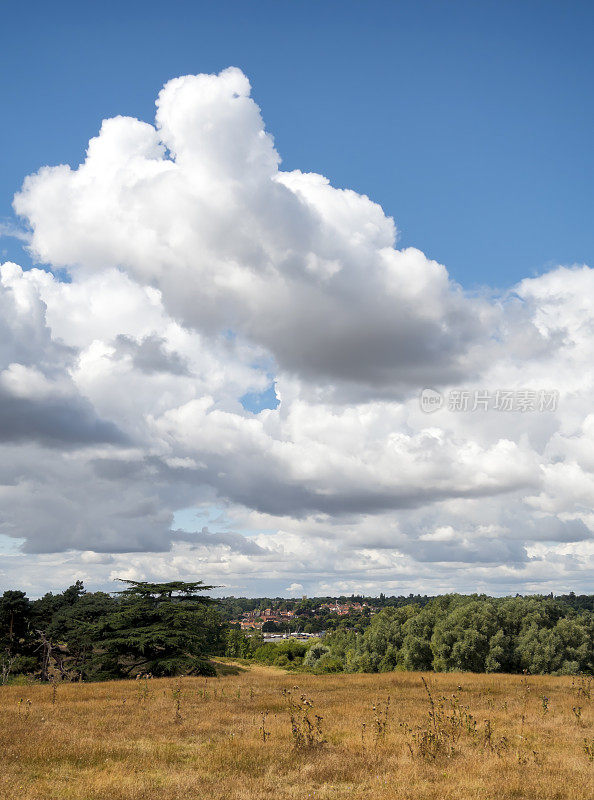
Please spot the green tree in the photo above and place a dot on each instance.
(315, 652)
(461, 637)
(161, 628)
(15, 612)
(73, 630)
(415, 653)
(17, 639)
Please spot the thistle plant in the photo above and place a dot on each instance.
(262, 729)
(380, 719)
(24, 706)
(584, 686)
(176, 694)
(143, 690)
(306, 727)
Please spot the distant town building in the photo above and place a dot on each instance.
(344, 608)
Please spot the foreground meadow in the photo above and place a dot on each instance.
(240, 737)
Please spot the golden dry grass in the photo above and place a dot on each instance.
(121, 740)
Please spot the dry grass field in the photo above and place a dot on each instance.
(472, 737)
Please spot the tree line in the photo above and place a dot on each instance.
(175, 628)
(157, 628)
(473, 633)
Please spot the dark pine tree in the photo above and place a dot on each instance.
(160, 628)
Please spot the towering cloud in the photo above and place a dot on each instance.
(197, 207)
(201, 272)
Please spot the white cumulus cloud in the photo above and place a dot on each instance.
(201, 272)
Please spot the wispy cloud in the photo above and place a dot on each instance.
(12, 230)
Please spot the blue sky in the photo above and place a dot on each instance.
(470, 123)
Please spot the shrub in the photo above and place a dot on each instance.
(329, 663)
(314, 654)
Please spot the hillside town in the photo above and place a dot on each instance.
(257, 618)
